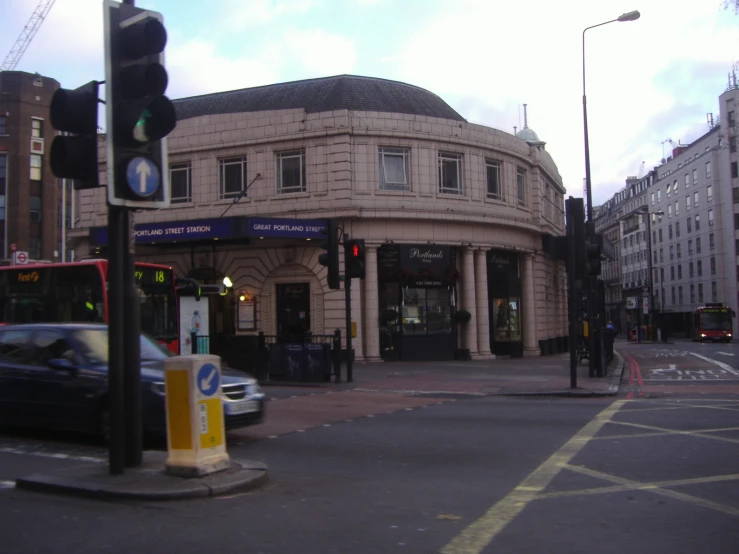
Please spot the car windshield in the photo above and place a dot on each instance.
(94, 346)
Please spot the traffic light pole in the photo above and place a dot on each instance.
(116, 341)
(348, 311)
(132, 348)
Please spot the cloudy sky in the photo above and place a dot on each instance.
(647, 81)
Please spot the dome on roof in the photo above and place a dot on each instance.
(528, 135)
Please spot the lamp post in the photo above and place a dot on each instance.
(590, 228)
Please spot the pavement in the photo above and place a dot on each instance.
(528, 376)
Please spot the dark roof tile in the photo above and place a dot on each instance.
(341, 92)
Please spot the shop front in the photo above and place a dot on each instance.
(417, 301)
(504, 296)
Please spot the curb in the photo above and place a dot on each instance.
(147, 483)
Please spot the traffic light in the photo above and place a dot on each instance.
(75, 156)
(330, 258)
(139, 116)
(575, 208)
(354, 259)
(592, 257)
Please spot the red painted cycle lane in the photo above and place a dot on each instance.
(635, 376)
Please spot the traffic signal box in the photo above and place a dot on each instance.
(139, 116)
(330, 258)
(354, 259)
(592, 256)
(75, 155)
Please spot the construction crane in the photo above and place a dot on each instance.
(27, 34)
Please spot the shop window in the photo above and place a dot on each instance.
(291, 172)
(394, 168)
(450, 173)
(507, 320)
(426, 311)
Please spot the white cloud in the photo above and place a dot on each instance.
(321, 53)
(242, 14)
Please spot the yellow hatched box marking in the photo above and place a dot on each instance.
(177, 386)
(210, 421)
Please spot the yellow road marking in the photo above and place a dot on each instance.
(698, 433)
(640, 486)
(480, 533)
(663, 492)
(660, 433)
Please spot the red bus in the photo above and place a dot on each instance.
(712, 322)
(77, 292)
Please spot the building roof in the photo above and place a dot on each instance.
(341, 92)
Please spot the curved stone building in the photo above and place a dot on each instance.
(452, 215)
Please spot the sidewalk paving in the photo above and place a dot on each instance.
(539, 375)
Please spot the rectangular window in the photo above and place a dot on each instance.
(291, 171)
(709, 193)
(659, 196)
(660, 234)
(697, 222)
(3, 125)
(661, 255)
(652, 199)
(678, 250)
(672, 295)
(669, 231)
(450, 173)
(700, 292)
(695, 199)
(679, 271)
(734, 170)
(35, 204)
(669, 211)
(692, 294)
(521, 186)
(711, 242)
(3, 172)
(695, 177)
(34, 249)
(36, 165)
(679, 295)
(714, 291)
(713, 265)
(37, 128)
(672, 273)
(708, 169)
(672, 252)
(687, 203)
(690, 247)
(689, 224)
(662, 274)
(232, 173)
(710, 218)
(732, 144)
(690, 270)
(677, 208)
(180, 181)
(677, 228)
(699, 268)
(493, 181)
(698, 245)
(394, 168)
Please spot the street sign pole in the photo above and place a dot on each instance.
(348, 310)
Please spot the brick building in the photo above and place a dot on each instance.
(29, 192)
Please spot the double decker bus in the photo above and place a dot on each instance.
(712, 322)
(78, 292)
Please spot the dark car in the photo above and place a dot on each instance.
(56, 376)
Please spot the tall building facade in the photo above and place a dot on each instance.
(681, 223)
(30, 195)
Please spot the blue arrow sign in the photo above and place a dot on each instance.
(209, 379)
(142, 176)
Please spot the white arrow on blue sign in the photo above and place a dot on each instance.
(142, 176)
(208, 379)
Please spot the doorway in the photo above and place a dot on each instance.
(293, 311)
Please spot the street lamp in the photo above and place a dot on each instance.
(590, 229)
(629, 16)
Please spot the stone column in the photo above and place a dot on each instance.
(483, 308)
(530, 345)
(468, 300)
(371, 310)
